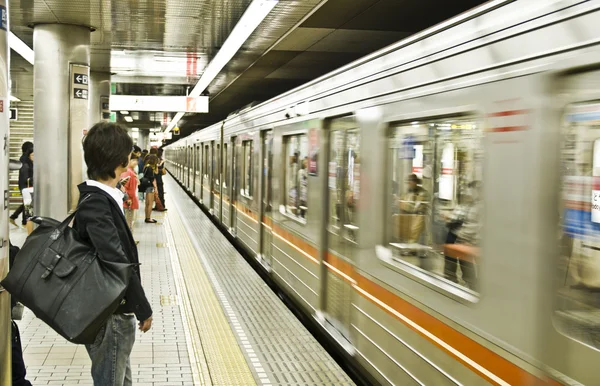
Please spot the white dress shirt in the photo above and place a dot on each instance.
(115, 193)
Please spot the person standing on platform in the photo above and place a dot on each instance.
(26, 180)
(142, 160)
(159, 181)
(132, 204)
(26, 146)
(100, 222)
(148, 185)
(140, 171)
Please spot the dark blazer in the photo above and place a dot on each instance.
(100, 221)
(25, 173)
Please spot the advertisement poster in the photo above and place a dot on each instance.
(313, 151)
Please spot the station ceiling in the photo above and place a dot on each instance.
(161, 47)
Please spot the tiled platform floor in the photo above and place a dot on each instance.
(160, 357)
(216, 322)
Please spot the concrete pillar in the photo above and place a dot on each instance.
(99, 95)
(5, 326)
(144, 139)
(61, 115)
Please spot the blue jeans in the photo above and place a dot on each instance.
(111, 350)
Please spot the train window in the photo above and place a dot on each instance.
(344, 182)
(577, 314)
(247, 151)
(296, 176)
(435, 213)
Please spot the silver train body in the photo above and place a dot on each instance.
(511, 77)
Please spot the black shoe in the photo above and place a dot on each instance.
(150, 221)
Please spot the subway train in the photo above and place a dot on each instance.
(432, 205)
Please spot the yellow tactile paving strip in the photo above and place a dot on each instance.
(219, 359)
(194, 346)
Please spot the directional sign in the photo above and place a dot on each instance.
(80, 79)
(80, 93)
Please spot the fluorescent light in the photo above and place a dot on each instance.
(20, 47)
(124, 112)
(135, 129)
(254, 15)
(129, 119)
(14, 99)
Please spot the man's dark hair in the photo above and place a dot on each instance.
(137, 149)
(26, 146)
(160, 152)
(106, 146)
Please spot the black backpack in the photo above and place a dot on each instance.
(64, 282)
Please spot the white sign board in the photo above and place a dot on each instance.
(159, 103)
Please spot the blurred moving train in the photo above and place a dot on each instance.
(345, 189)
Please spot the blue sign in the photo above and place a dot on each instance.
(408, 148)
(4, 24)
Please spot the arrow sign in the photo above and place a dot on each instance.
(80, 79)
(80, 93)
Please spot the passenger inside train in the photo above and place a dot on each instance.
(440, 199)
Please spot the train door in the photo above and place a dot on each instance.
(266, 235)
(226, 185)
(573, 327)
(183, 156)
(211, 176)
(197, 171)
(235, 170)
(217, 180)
(205, 174)
(188, 164)
(342, 230)
(193, 169)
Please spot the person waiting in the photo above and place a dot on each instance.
(26, 180)
(131, 204)
(100, 222)
(162, 170)
(148, 185)
(13, 217)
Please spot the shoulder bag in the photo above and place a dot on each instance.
(64, 282)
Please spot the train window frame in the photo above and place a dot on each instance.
(385, 252)
(581, 236)
(247, 177)
(283, 208)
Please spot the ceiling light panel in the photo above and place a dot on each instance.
(156, 64)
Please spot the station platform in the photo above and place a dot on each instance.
(216, 322)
